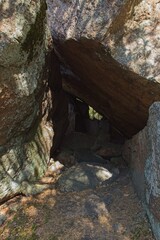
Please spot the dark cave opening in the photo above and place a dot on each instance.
(76, 121)
(83, 118)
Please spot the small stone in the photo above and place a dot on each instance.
(85, 155)
(2, 219)
(66, 157)
(55, 167)
(83, 176)
(110, 150)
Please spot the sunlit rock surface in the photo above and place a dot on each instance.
(25, 132)
(84, 176)
(111, 54)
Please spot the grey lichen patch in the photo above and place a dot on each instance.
(36, 153)
(36, 32)
(26, 161)
(36, 160)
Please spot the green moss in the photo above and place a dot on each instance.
(35, 152)
(36, 159)
(35, 34)
(141, 231)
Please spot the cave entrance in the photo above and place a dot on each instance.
(90, 137)
(85, 119)
(83, 134)
(82, 117)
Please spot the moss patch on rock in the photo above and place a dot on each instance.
(35, 34)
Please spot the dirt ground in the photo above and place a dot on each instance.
(110, 212)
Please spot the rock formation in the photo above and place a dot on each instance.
(25, 132)
(111, 54)
(143, 154)
(106, 53)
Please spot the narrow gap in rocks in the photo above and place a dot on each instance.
(92, 146)
(106, 57)
(89, 138)
(86, 193)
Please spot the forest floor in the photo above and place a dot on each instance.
(110, 212)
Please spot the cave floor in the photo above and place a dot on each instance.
(109, 212)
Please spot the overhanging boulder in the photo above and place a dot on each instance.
(110, 54)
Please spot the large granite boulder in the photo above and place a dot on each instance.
(110, 51)
(143, 154)
(25, 132)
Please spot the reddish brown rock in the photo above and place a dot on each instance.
(59, 114)
(112, 49)
(110, 150)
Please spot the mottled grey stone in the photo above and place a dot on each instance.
(142, 152)
(83, 176)
(25, 137)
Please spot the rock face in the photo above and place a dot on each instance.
(110, 52)
(25, 132)
(59, 115)
(143, 154)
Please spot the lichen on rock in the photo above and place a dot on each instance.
(25, 133)
(35, 35)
